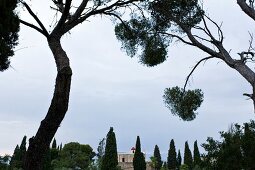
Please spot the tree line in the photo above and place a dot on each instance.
(235, 151)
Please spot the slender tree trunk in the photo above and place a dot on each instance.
(39, 144)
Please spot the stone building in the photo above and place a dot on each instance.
(125, 160)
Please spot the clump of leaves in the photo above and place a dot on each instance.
(9, 27)
(183, 12)
(183, 103)
(135, 33)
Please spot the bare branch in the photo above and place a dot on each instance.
(34, 27)
(248, 95)
(176, 36)
(80, 9)
(188, 77)
(110, 8)
(43, 29)
(220, 33)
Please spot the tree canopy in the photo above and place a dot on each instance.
(149, 33)
(9, 28)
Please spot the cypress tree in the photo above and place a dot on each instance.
(139, 160)
(171, 159)
(23, 148)
(19, 155)
(15, 160)
(196, 154)
(110, 158)
(179, 159)
(187, 156)
(54, 144)
(157, 156)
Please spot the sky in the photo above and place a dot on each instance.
(110, 89)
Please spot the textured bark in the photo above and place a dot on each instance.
(246, 8)
(39, 144)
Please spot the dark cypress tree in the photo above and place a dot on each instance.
(171, 159)
(157, 156)
(54, 144)
(9, 27)
(110, 158)
(196, 154)
(15, 160)
(187, 156)
(179, 159)
(23, 148)
(139, 160)
(248, 146)
(18, 155)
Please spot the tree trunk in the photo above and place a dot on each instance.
(39, 144)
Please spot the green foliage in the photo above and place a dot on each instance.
(149, 35)
(171, 159)
(184, 167)
(100, 153)
(196, 154)
(157, 156)
(183, 103)
(4, 162)
(179, 159)
(186, 13)
(18, 155)
(47, 160)
(110, 158)
(74, 156)
(248, 145)
(9, 27)
(235, 151)
(164, 167)
(187, 156)
(133, 34)
(139, 160)
(16, 158)
(212, 147)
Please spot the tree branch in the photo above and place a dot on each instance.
(188, 77)
(246, 8)
(80, 9)
(64, 15)
(34, 27)
(178, 37)
(109, 8)
(43, 29)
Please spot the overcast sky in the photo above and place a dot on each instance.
(110, 89)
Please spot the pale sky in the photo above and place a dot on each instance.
(110, 89)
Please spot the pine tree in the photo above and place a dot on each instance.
(187, 156)
(196, 154)
(157, 156)
(139, 160)
(54, 144)
(171, 159)
(9, 27)
(110, 158)
(179, 159)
